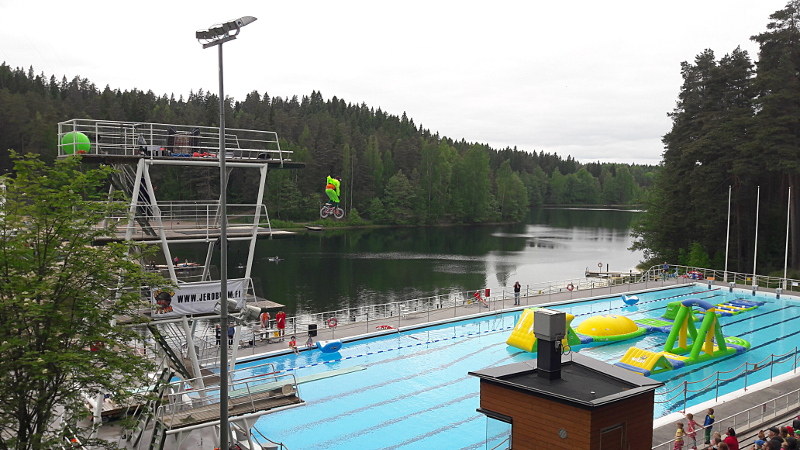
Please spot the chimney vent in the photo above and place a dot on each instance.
(549, 327)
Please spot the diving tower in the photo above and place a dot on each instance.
(182, 320)
(136, 150)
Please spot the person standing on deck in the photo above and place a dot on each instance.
(332, 189)
(280, 322)
(707, 424)
(517, 288)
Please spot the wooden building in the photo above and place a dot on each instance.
(590, 405)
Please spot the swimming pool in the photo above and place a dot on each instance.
(411, 390)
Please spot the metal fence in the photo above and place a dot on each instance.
(679, 394)
(450, 304)
(659, 273)
(751, 418)
(441, 306)
(115, 138)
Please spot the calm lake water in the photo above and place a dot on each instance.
(345, 268)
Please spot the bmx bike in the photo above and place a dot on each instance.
(330, 210)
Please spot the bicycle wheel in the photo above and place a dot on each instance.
(324, 212)
(338, 213)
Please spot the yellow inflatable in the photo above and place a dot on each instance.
(522, 336)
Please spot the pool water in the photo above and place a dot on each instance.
(413, 391)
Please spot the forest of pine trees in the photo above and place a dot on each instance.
(736, 124)
(393, 171)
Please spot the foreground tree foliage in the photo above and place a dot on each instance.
(734, 126)
(58, 300)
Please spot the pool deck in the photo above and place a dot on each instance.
(661, 433)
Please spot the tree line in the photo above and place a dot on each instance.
(737, 125)
(393, 170)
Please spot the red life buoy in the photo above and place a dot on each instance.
(570, 287)
(385, 327)
(332, 322)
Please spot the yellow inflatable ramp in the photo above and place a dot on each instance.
(522, 336)
(645, 362)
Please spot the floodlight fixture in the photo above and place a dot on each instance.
(222, 32)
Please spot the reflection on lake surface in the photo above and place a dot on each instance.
(341, 268)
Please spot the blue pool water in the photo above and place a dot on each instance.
(414, 391)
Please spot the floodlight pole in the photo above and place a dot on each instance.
(216, 36)
(223, 266)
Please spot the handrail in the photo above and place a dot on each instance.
(280, 444)
(656, 273)
(774, 359)
(754, 417)
(153, 140)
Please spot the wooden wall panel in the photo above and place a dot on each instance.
(537, 420)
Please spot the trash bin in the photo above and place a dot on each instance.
(312, 330)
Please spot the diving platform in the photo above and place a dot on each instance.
(185, 414)
(181, 218)
(127, 142)
(175, 234)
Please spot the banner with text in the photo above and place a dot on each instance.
(195, 298)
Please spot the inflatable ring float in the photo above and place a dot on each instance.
(332, 322)
(570, 287)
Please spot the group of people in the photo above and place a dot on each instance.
(779, 438)
(293, 344)
(689, 432)
(774, 438)
(280, 322)
(478, 295)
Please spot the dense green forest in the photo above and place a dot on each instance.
(735, 124)
(393, 171)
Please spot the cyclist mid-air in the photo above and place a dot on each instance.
(333, 191)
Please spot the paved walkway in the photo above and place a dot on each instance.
(350, 330)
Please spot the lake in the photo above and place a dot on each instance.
(334, 269)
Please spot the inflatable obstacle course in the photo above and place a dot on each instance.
(693, 327)
(646, 363)
(653, 324)
(686, 343)
(724, 309)
(522, 336)
(610, 327)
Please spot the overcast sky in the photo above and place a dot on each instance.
(591, 79)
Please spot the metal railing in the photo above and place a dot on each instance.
(681, 393)
(752, 418)
(657, 273)
(187, 217)
(501, 298)
(180, 401)
(152, 140)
